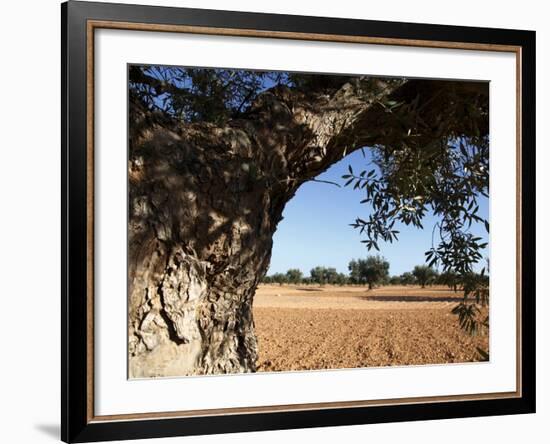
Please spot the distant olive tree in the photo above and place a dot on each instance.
(279, 278)
(395, 280)
(317, 275)
(341, 279)
(424, 275)
(450, 279)
(294, 276)
(324, 275)
(407, 278)
(372, 270)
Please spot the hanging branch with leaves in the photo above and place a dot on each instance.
(439, 168)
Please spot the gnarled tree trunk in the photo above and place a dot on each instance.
(205, 202)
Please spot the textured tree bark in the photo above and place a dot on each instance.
(204, 204)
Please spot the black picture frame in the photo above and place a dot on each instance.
(77, 425)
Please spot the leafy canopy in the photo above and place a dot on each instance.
(424, 275)
(214, 94)
(372, 270)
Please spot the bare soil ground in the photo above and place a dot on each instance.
(309, 328)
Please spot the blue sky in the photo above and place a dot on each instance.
(315, 229)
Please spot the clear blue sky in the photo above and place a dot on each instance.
(315, 229)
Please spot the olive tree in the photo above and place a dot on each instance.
(324, 275)
(294, 276)
(450, 279)
(407, 278)
(215, 155)
(424, 275)
(372, 270)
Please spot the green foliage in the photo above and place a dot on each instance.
(319, 275)
(199, 94)
(395, 280)
(450, 279)
(215, 94)
(279, 278)
(319, 82)
(476, 287)
(432, 158)
(373, 270)
(294, 276)
(484, 355)
(476, 295)
(408, 184)
(323, 275)
(341, 279)
(424, 275)
(407, 278)
(470, 319)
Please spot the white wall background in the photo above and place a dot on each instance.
(30, 221)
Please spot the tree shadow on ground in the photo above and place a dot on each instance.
(401, 298)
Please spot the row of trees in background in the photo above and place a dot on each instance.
(372, 271)
(318, 275)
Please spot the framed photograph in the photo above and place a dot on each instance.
(276, 221)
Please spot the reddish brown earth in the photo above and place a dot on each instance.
(308, 328)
